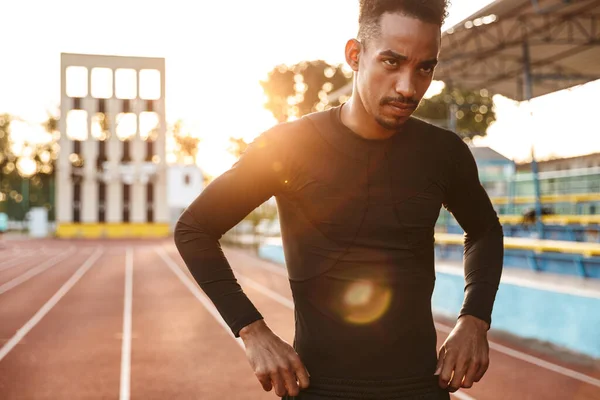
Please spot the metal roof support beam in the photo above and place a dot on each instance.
(555, 7)
(537, 29)
(528, 94)
(545, 62)
(562, 77)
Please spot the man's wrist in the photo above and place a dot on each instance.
(473, 319)
(253, 329)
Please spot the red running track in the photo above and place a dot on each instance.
(124, 320)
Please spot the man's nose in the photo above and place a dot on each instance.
(405, 86)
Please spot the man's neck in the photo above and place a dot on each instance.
(355, 117)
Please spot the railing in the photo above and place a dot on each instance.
(572, 258)
(554, 219)
(554, 198)
(536, 245)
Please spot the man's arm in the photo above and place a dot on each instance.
(466, 350)
(222, 205)
(258, 175)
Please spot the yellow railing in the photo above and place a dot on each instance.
(538, 246)
(555, 198)
(113, 231)
(554, 219)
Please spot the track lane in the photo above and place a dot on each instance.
(18, 305)
(74, 350)
(179, 350)
(508, 376)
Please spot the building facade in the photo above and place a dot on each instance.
(184, 184)
(111, 173)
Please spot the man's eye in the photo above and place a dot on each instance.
(391, 63)
(427, 70)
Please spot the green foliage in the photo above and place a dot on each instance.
(187, 145)
(302, 88)
(473, 111)
(265, 212)
(237, 147)
(19, 194)
(5, 120)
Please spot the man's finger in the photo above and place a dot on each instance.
(459, 373)
(470, 375)
(440, 362)
(278, 384)
(289, 380)
(483, 367)
(265, 381)
(447, 369)
(301, 373)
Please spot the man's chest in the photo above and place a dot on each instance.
(376, 197)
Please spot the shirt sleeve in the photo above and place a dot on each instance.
(468, 201)
(252, 180)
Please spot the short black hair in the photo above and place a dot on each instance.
(432, 11)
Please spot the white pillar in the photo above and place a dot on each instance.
(114, 196)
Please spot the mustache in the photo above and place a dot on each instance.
(401, 99)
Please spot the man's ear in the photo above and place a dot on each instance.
(353, 52)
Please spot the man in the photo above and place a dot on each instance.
(359, 189)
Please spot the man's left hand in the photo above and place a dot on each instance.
(464, 357)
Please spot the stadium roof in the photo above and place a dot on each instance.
(487, 154)
(554, 44)
(560, 39)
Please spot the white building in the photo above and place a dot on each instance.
(184, 184)
(111, 172)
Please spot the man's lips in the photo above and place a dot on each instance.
(403, 106)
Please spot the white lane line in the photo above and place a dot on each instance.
(263, 264)
(462, 396)
(533, 360)
(126, 344)
(29, 325)
(35, 271)
(529, 283)
(265, 290)
(13, 262)
(251, 283)
(202, 298)
(502, 349)
(290, 304)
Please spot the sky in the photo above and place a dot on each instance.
(217, 51)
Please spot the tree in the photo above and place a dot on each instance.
(265, 212)
(237, 147)
(302, 88)
(187, 145)
(6, 157)
(471, 112)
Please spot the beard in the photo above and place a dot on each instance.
(394, 122)
(390, 123)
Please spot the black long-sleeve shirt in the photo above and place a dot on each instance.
(357, 221)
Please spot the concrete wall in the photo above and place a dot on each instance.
(526, 308)
(180, 192)
(531, 310)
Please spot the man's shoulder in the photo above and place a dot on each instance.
(436, 134)
(291, 131)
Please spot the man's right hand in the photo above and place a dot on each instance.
(275, 363)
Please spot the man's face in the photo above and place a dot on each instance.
(396, 68)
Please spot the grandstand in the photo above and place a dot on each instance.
(570, 196)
